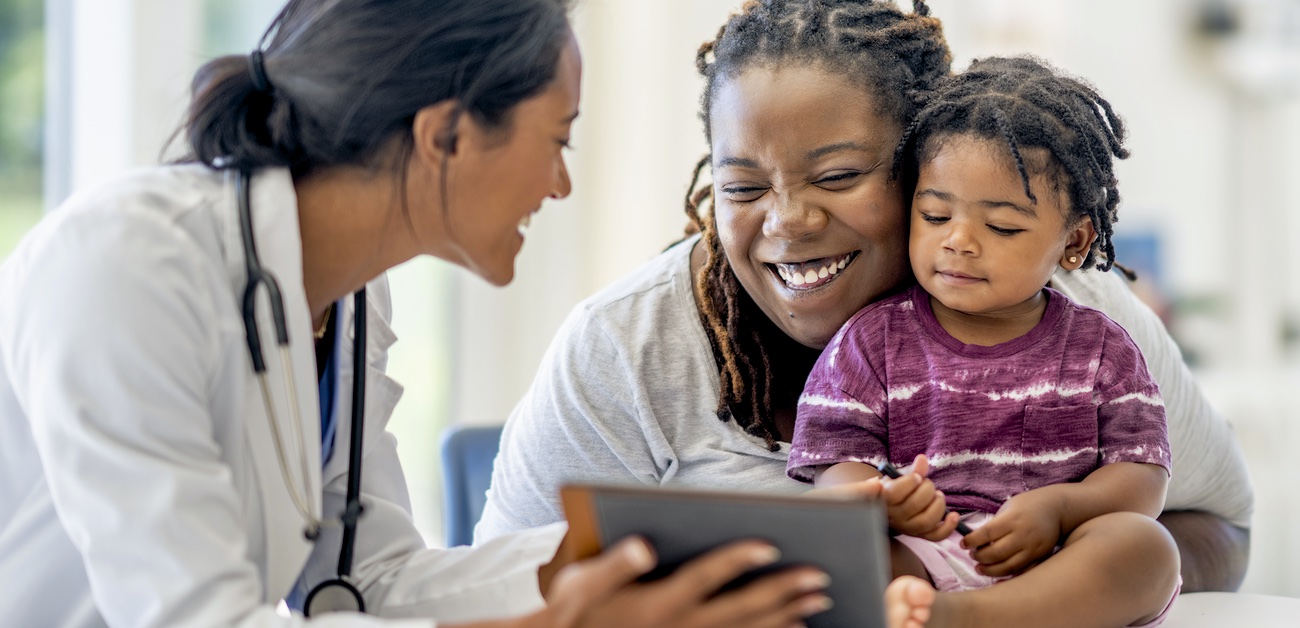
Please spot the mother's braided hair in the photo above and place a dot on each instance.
(898, 57)
(1028, 104)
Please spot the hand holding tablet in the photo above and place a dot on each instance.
(846, 538)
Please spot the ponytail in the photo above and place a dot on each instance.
(231, 123)
(340, 80)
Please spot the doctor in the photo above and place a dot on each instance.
(150, 477)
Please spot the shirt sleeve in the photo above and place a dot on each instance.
(1208, 470)
(578, 422)
(842, 413)
(1130, 411)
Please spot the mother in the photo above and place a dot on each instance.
(686, 372)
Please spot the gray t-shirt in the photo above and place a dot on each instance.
(628, 392)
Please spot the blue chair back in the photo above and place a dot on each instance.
(467, 455)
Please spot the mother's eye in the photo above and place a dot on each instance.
(742, 193)
(837, 181)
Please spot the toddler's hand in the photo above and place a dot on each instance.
(916, 507)
(1026, 529)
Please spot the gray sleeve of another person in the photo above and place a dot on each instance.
(1209, 472)
(578, 422)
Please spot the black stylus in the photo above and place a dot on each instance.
(888, 469)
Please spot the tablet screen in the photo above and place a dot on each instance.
(846, 539)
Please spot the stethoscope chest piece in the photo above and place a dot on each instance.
(334, 596)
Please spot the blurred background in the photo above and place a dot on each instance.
(1210, 89)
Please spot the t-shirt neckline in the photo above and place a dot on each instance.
(1051, 318)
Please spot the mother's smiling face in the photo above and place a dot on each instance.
(807, 213)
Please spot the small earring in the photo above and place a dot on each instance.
(1073, 259)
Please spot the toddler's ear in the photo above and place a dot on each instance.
(1077, 243)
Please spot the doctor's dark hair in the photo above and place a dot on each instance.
(345, 79)
(1026, 103)
(897, 58)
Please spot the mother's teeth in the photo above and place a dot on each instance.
(799, 274)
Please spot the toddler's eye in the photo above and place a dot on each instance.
(1004, 232)
(932, 219)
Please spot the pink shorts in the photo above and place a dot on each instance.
(952, 568)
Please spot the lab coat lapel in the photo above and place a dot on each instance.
(275, 227)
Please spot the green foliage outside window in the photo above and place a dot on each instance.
(22, 119)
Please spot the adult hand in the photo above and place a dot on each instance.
(601, 591)
(916, 507)
(1026, 529)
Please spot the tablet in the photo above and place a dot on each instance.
(846, 539)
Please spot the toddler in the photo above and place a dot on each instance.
(1029, 417)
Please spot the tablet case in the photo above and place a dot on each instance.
(846, 539)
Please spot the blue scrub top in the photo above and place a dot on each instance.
(328, 382)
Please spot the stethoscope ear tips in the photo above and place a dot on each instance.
(311, 532)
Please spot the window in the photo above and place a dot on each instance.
(22, 103)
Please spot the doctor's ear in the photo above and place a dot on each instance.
(436, 131)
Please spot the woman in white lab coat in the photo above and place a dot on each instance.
(146, 476)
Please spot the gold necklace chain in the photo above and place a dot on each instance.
(325, 324)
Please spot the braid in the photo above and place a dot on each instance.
(1027, 103)
(897, 57)
(1005, 128)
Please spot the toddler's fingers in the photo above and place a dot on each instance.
(945, 528)
(991, 531)
(1009, 567)
(1001, 549)
(921, 465)
(898, 490)
(923, 516)
(921, 498)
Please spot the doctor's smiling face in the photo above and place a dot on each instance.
(810, 219)
(497, 178)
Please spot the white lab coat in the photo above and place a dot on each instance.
(139, 483)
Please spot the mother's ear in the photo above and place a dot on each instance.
(437, 130)
(1077, 243)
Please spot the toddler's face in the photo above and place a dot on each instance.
(979, 245)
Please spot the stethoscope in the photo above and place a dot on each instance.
(336, 594)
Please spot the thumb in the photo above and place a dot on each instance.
(581, 585)
(921, 466)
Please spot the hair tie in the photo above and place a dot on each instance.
(257, 70)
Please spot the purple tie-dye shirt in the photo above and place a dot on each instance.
(1048, 407)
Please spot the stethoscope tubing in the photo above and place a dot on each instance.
(354, 508)
(259, 276)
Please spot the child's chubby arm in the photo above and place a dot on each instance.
(1031, 524)
(914, 506)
